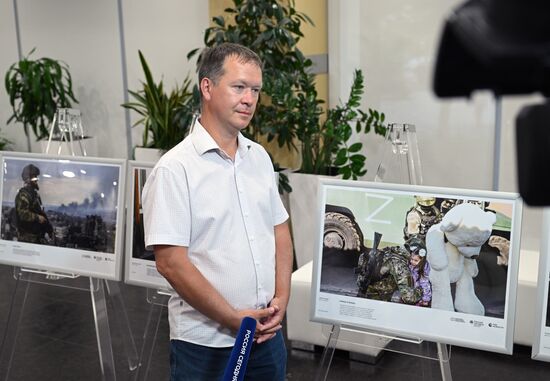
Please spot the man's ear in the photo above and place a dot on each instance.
(206, 88)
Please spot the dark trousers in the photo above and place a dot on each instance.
(192, 362)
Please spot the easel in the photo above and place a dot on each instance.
(403, 345)
(24, 277)
(400, 164)
(67, 127)
(158, 299)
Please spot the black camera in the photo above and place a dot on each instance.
(504, 46)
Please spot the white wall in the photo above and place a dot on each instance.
(86, 35)
(164, 32)
(8, 47)
(395, 42)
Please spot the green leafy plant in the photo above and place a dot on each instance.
(290, 111)
(36, 88)
(5, 144)
(327, 145)
(166, 117)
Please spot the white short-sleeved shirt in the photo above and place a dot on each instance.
(224, 212)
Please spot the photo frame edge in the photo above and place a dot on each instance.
(121, 163)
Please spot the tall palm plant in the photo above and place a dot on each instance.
(165, 116)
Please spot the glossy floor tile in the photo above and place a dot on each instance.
(57, 341)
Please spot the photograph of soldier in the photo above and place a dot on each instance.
(31, 220)
(67, 204)
(393, 265)
(385, 275)
(420, 218)
(548, 307)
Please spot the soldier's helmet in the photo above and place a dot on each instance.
(415, 245)
(424, 201)
(30, 172)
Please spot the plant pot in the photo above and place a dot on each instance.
(149, 155)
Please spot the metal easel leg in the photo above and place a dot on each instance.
(103, 332)
(7, 348)
(444, 362)
(426, 364)
(121, 319)
(328, 354)
(149, 339)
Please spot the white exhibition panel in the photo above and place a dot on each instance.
(140, 264)
(395, 44)
(83, 198)
(541, 334)
(378, 207)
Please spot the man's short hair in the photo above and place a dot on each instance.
(212, 59)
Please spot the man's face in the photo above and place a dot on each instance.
(233, 98)
(34, 183)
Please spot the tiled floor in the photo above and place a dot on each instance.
(57, 341)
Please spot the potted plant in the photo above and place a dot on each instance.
(36, 88)
(290, 111)
(165, 116)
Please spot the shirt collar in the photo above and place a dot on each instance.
(204, 142)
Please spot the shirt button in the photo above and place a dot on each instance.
(252, 238)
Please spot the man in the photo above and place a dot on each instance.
(421, 217)
(214, 218)
(31, 219)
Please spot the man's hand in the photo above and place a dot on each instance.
(41, 219)
(269, 326)
(260, 315)
(272, 323)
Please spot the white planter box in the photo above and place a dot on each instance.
(149, 155)
(303, 215)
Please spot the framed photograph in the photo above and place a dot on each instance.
(62, 213)
(140, 267)
(541, 336)
(418, 262)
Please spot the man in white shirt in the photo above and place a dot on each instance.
(216, 223)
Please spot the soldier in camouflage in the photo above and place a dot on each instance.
(420, 218)
(31, 219)
(385, 275)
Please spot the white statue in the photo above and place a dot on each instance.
(453, 246)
